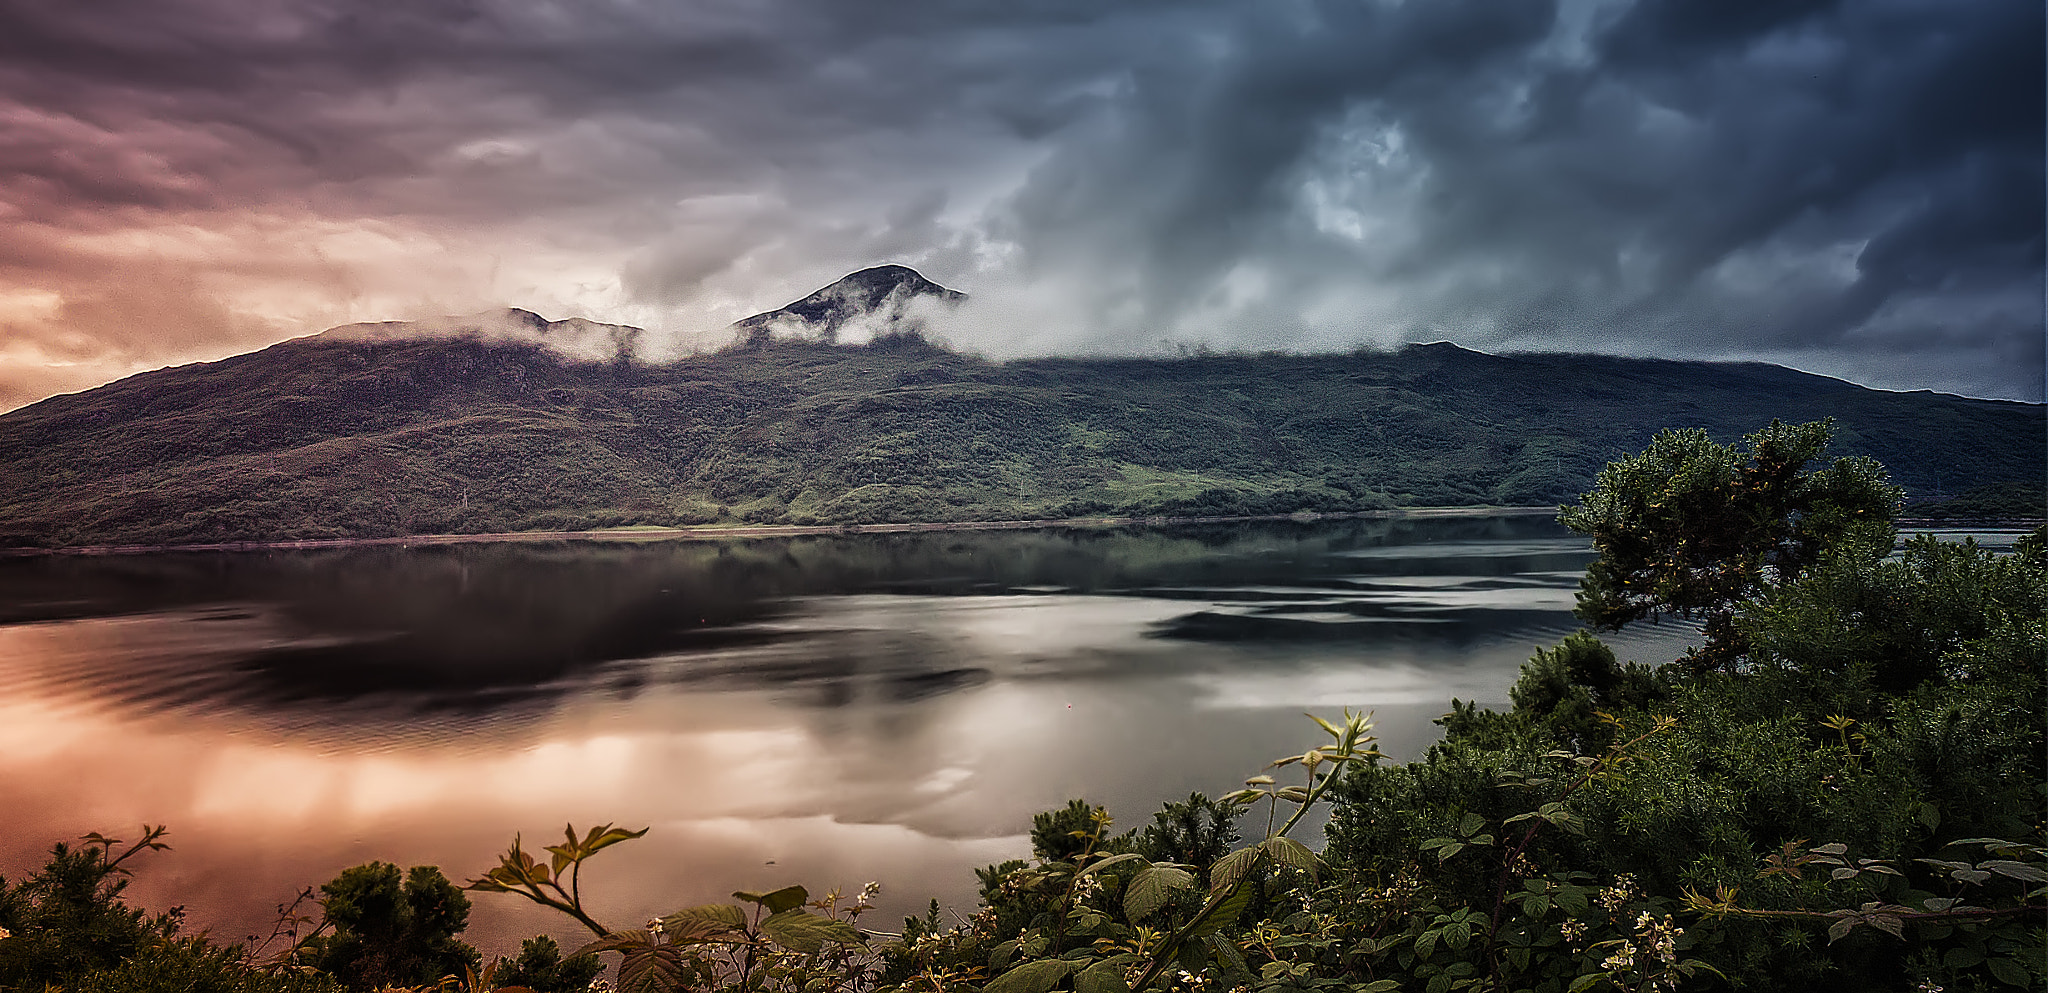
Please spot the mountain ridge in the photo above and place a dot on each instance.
(380, 433)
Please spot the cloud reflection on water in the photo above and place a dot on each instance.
(889, 707)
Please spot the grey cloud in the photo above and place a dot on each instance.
(1849, 187)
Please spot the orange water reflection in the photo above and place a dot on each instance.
(822, 737)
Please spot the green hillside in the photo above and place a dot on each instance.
(325, 438)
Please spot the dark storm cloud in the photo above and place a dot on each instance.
(1854, 188)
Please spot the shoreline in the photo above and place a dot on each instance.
(713, 532)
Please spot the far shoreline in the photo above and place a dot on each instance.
(714, 532)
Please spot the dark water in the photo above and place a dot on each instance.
(815, 710)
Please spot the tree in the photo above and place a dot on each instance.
(388, 934)
(1690, 528)
(68, 919)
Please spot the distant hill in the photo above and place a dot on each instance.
(460, 428)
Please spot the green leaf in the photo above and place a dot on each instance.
(1034, 977)
(801, 931)
(1572, 900)
(1229, 957)
(655, 969)
(1470, 824)
(1962, 958)
(1151, 888)
(617, 941)
(786, 898)
(1288, 851)
(1457, 936)
(1095, 867)
(1106, 976)
(708, 921)
(2009, 971)
(1222, 914)
(1586, 982)
(1444, 854)
(1232, 869)
(2016, 870)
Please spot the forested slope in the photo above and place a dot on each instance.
(326, 437)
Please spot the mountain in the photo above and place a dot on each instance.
(879, 302)
(575, 339)
(478, 425)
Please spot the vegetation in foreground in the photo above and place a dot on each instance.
(1843, 788)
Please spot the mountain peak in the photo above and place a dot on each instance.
(876, 302)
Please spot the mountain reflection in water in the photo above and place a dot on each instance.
(823, 710)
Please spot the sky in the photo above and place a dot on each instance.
(1852, 188)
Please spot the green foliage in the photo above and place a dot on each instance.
(540, 967)
(195, 965)
(67, 918)
(1567, 687)
(1691, 528)
(384, 932)
(1196, 832)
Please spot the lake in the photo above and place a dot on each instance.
(816, 710)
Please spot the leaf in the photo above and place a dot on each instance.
(1034, 977)
(1221, 914)
(1288, 851)
(1840, 928)
(698, 923)
(1470, 824)
(654, 969)
(1585, 982)
(2016, 870)
(1457, 936)
(1095, 867)
(1232, 869)
(2009, 972)
(1229, 957)
(1106, 976)
(1444, 854)
(1151, 888)
(1835, 849)
(1888, 924)
(617, 941)
(786, 898)
(801, 931)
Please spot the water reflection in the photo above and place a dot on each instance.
(823, 710)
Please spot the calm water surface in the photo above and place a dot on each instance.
(815, 710)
